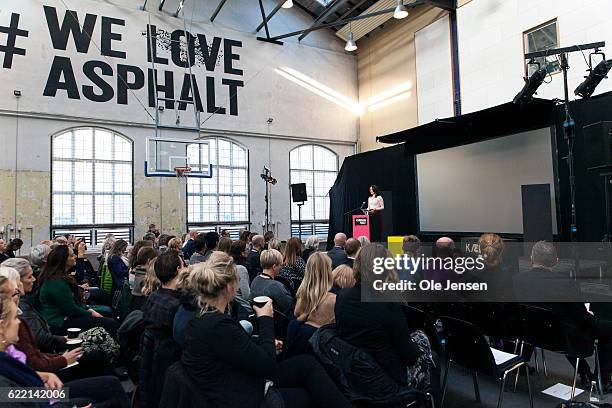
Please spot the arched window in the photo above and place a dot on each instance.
(316, 166)
(91, 183)
(220, 202)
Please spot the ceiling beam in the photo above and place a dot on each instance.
(263, 17)
(321, 19)
(448, 5)
(345, 21)
(304, 9)
(217, 10)
(269, 16)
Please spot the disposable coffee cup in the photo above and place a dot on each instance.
(260, 301)
(73, 332)
(71, 344)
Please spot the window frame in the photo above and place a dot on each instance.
(216, 224)
(531, 30)
(91, 226)
(309, 222)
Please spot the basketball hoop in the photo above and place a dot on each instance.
(182, 173)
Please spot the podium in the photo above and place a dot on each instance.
(361, 226)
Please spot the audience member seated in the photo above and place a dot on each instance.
(274, 244)
(337, 253)
(13, 246)
(315, 304)
(380, 328)
(158, 311)
(266, 285)
(224, 234)
(230, 368)
(351, 248)
(363, 240)
(177, 244)
(225, 244)
(268, 236)
(542, 279)
(3, 255)
(146, 255)
(444, 248)
(91, 364)
(133, 255)
(310, 247)
(343, 277)
(293, 265)
(45, 340)
(118, 263)
(205, 244)
(238, 253)
(61, 300)
(15, 371)
(38, 258)
(162, 242)
(495, 274)
(253, 256)
(189, 245)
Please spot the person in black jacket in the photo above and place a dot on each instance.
(542, 281)
(376, 327)
(337, 253)
(230, 368)
(253, 257)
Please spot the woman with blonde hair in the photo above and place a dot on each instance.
(315, 303)
(293, 265)
(274, 244)
(151, 282)
(221, 358)
(342, 278)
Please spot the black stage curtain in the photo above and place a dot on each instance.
(590, 198)
(387, 168)
(393, 168)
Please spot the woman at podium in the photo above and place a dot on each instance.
(375, 207)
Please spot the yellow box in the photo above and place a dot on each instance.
(395, 245)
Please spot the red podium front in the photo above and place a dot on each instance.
(361, 226)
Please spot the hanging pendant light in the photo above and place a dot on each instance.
(350, 42)
(400, 10)
(288, 4)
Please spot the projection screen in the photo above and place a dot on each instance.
(477, 187)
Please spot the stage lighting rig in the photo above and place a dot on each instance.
(531, 85)
(266, 175)
(586, 88)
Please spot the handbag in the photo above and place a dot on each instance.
(98, 339)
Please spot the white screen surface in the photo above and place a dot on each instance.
(477, 187)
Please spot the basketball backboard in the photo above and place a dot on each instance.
(164, 156)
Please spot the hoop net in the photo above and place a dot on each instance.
(182, 173)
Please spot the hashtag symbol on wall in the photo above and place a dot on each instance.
(9, 49)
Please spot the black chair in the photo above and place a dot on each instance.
(180, 391)
(419, 320)
(544, 329)
(467, 347)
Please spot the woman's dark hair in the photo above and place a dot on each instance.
(237, 250)
(293, 249)
(224, 245)
(268, 236)
(145, 254)
(133, 255)
(244, 235)
(212, 239)
(14, 244)
(375, 189)
(55, 268)
(118, 248)
(164, 239)
(200, 242)
(166, 266)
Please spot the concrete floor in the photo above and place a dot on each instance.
(460, 390)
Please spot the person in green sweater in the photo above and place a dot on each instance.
(60, 297)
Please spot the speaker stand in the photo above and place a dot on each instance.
(300, 219)
(607, 177)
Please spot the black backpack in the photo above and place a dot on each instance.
(357, 374)
(129, 336)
